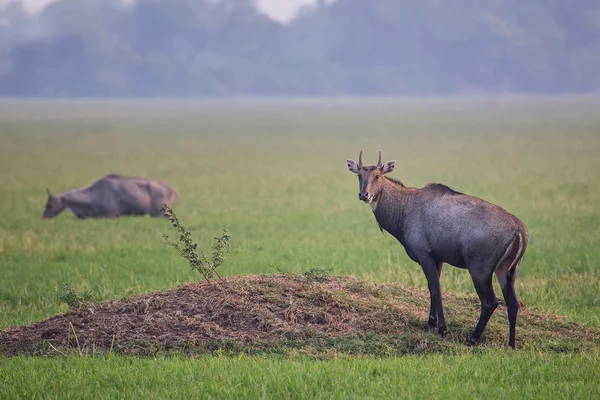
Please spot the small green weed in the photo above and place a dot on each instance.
(207, 267)
(73, 298)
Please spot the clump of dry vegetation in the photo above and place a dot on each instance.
(302, 313)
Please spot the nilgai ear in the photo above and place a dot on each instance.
(352, 166)
(388, 166)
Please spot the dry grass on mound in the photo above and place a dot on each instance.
(309, 313)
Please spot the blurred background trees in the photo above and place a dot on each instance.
(341, 47)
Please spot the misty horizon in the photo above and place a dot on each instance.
(224, 48)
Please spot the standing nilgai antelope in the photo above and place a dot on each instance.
(113, 196)
(437, 225)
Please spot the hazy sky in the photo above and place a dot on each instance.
(281, 10)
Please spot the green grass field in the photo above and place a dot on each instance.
(273, 172)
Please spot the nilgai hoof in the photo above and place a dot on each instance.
(443, 332)
(472, 341)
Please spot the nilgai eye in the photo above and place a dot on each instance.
(377, 176)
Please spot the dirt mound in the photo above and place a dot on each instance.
(307, 313)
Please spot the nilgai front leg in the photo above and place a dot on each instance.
(433, 319)
(432, 270)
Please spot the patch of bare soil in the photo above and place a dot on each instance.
(282, 313)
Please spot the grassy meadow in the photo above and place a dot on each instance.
(273, 172)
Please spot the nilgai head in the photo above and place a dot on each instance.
(370, 177)
(53, 206)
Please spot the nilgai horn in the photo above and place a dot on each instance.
(437, 225)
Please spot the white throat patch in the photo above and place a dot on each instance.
(373, 205)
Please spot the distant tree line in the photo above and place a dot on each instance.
(355, 47)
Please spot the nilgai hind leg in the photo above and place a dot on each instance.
(506, 273)
(485, 291)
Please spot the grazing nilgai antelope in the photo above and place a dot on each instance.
(437, 225)
(112, 196)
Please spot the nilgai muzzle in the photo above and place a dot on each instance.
(437, 225)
